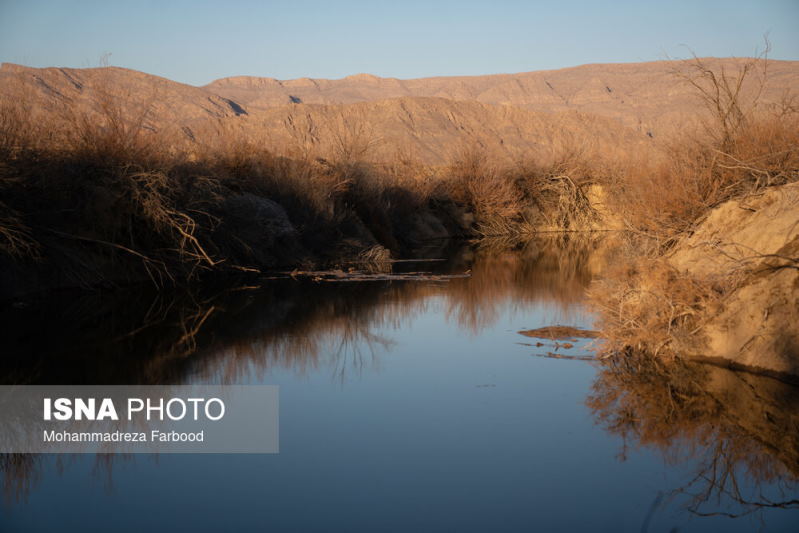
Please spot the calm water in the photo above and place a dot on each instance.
(407, 406)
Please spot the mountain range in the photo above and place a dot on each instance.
(619, 105)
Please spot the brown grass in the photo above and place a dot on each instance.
(105, 188)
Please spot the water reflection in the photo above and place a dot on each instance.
(741, 430)
(737, 433)
(226, 334)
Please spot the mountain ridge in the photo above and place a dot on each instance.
(648, 96)
(628, 102)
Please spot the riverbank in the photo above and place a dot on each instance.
(726, 292)
(106, 208)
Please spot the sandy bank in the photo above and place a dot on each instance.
(750, 245)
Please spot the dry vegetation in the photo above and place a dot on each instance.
(742, 147)
(102, 196)
(647, 305)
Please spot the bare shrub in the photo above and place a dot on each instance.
(730, 97)
(16, 239)
(647, 306)
(117, 128)
(743, 146)
(476, 181)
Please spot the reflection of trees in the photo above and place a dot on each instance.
(227, 334)
(230, 335)
(555, 270)
(219, 336)
(741, 429)
(20, 473)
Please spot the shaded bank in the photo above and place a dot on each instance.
(98, 197)
(107, 217)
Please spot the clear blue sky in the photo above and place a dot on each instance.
(198, 41)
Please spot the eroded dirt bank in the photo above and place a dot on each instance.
(753, 244)
(727, 292)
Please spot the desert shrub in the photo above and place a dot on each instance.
(669, 192)
(474, 180)
(16, 239)
(646, 306)
(742, 146)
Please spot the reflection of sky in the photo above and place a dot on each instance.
(444, 431)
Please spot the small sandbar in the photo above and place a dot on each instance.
(560, 333)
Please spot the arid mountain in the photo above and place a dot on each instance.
(434, 129)
(618, 105)
(645, 96)
(59, 90)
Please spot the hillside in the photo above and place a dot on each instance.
(645, 96)
(60, 90)
(614, 106)
(432, 130)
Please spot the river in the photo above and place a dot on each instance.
(404, 406)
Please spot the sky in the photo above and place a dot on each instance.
(198, 41)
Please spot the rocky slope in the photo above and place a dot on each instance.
(645, 96)
(432, 130)
(60, 90)
(426, 128)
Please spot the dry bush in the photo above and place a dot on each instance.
(15, 128)
(563, 203)
(664, 193)
(229, 150)
(413, 183)
(128, 216)
(21, 127)
(474, 180)
(103, 186)
(117, 128)
(16, 240)
(522, 197)
(765, 153)
(670, 191)
(351, 142)
(743, 146)
(729, 97)
(556, 184)
(645, 305)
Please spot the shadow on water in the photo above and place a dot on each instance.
(741, 430)
(221, 335)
